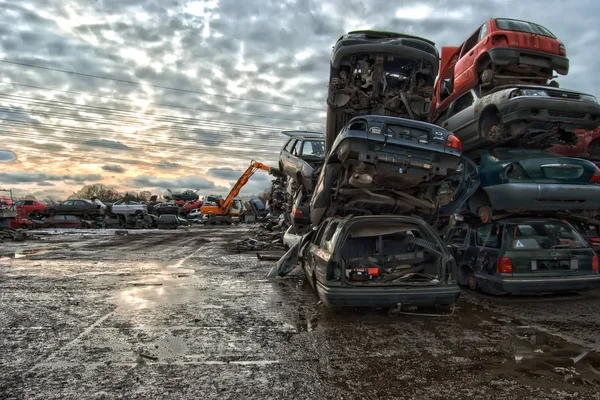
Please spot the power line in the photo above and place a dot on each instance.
(136, 114)
(155, 86)
(161, 104)
(78, 133)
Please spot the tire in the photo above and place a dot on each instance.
(490, 125)
(138, 213)
(23, 226)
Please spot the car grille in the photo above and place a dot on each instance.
(416, 44)
(566, 114)
(563, 95)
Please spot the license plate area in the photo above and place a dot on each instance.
(555, 265)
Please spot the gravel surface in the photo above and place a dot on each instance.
(180, 314)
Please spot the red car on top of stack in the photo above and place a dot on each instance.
(501, 51)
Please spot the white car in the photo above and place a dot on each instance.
(129, 207)
(195, 213)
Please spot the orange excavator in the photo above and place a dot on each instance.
(223, 211)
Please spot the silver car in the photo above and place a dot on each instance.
(302, 157)
(519, 115)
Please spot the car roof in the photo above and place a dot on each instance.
(304, 134)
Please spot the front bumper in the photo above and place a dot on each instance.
(548, 111)
(511, 55)
(543, 197)
(387, 296)
(541, 284)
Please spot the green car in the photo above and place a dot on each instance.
(516, 180)
(523, 256)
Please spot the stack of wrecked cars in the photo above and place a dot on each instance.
(400, 212)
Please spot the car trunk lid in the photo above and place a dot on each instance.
(551, 262)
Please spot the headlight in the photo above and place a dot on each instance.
(589, 97)
(528, 92)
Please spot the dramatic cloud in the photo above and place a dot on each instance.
(245, 70)
(167, 165)
(113, 168)
(224, 173)
(107, 144)
(186, 182)
(28, 177)
(7, 155)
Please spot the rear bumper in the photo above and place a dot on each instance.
(541, 284)
(543, 197)
(512, 55)
(387, 297)
(347, 48)
(547, 111)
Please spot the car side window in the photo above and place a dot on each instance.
(19, 203)
(462, 103)
(328, 238)
(483, 31)
(70, 218)
(80, 203)
(68, 203)
(470, 43)
(319, 235)
(297, 148)
(61, 217)
(290, 145)
(488, 235)
(29, 203)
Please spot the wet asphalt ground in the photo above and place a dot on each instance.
(155, 315)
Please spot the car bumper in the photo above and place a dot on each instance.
(547, 111)
(387, 297)
(512, 55)
(354, 47)
(543, 197)
(541, 284)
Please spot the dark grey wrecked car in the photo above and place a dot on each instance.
(519, 116)
(383, 73)
(385, 165)
(376, 261)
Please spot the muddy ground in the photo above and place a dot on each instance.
(181, 315)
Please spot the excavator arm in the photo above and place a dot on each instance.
(226, 204)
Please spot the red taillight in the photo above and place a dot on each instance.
(562, 50)
(298, 213)
(499, 40)
(504, 265)
(454, 142)
(595, 263)
(596, 176)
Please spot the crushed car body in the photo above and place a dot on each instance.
(375, 261)
(385, 165)
(386, 73)
(519, 116)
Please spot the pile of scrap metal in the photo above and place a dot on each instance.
(16, 235)
(263, 241)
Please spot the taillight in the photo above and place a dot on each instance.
(505, 265)
(334, 271)
(454, 143)
(499, 40)
(596, 176)
(298, 213)
(595, 263)
(562, 50)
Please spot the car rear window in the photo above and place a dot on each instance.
(313, 149)
(523, 26)
(542, 235)
(519, 154)
(407, 133)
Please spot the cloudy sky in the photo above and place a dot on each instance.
(156, 94)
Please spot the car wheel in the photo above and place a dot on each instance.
(138, 213)
(472, 281)
(485, 214)
(23, 226)
(490, 126)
